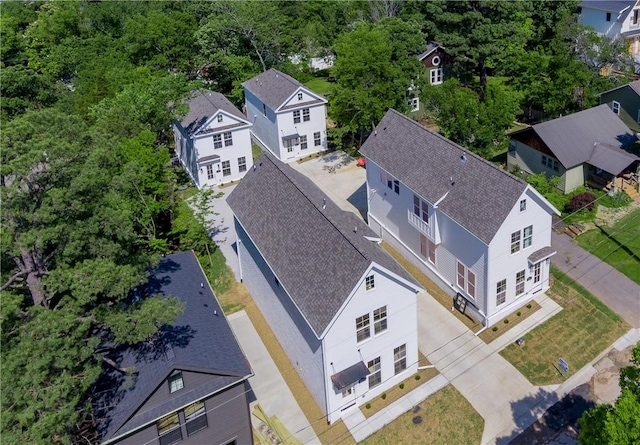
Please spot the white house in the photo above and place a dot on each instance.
(615, 19)
(481, 233)
(288, 118)
(343, 310)
(213, 141)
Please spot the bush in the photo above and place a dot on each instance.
(368, 406)
(494, 329)
(384, 395)
(529, 306)
(620, 199)
(418, 377)
(518, 313)
(586, 201)
(401, 385)
(506, 321)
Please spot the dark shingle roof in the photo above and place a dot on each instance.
(316, 254)
(571, 138)
(273, 88)
(431, 47)
(198, 340)
(203, 105)
(635, 86)
(482, 195)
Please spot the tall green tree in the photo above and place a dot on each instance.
(375, 67)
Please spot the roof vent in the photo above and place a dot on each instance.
(452, 181)
(324, 203)
(463, 158)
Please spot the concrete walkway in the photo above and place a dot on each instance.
(361, 427)
(611, 287)
(222, 230)
(267, 384)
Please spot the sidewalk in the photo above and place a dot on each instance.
(267, 384)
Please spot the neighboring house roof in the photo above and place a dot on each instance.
(634, 86)
(616, 6)
(479, 195)
(273, 88)
(611, 159)
(317, 251)
(572, 138)
(200, 339)
(203, 105)
(431, 47)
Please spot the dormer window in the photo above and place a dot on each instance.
(175, 382)
(523, 205)
(299, 96)
(220, 118)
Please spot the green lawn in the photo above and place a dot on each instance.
(581, 331)
(618, 245)
(319, 85)
(444, 418)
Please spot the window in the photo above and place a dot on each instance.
(527, 238)
(400, 359)
(634, 20)
(175, 382)
(421, 209)
(362, 328)
(289, 145)
(471, 283)
(435, 61)
(317, 140)
(228, 139)
(380, 320)
(414, 104)
(436, 76)
(306, 116)
(195, 417)
(520, 283)
(242, 164)
(608, 17)
(466, 279)
(501, 292)
(375, 372)
(512, 147)
(220, 117)
(428, 249)
(523, 205)
(370, 282)
(264, 110)
(303, 142)
(515, 242)
(296, 117)
(226, 168)
(217, 141)
(396, 186)
(347, 392)
(615, 106)
(550, 162)
(210, 172)
(536, 273)
(169, 430)
(299, 96)
(461, 274)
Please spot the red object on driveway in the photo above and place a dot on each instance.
(362, 162)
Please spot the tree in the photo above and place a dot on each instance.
(617, 424)
(374, 68)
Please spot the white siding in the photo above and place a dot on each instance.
(317, 123)
(241, 147)
(299, 342)
(597, 19)
(264, 126)
(342, 349)
(503, 264)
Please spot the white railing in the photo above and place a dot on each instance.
(419, 224)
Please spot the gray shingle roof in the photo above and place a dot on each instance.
(635, 86)
(315, 252)
(541, 254)
(571, 138)
(611, 6)
(197, 340)
(202, 106)
(611, 159)
(431, 47)
(273, 88)
(482, 195)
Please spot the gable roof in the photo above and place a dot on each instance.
(479, 195)
(203, 105)
(273, 88)
(616, 6)
(200, 339)
(317, 251)
(634, 86)
(431, 47)
(572, 138)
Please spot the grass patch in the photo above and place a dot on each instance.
(319, 85)
(618, 245)
(256, 151)
(432, 288)
(491, 334)
(446, 418)
(581, 331)
(409, 384)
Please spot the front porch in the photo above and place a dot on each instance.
(626, 182)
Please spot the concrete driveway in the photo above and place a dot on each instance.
(611, 287)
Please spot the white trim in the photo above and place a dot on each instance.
(303, 105)
(615, 107)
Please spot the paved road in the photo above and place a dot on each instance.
(610, 286)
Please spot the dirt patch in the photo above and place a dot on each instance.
(608, 217)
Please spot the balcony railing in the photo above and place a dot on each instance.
(419, 224)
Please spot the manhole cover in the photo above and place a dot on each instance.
(417, 420)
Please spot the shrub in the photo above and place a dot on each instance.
(581, 201)
(368, 406)
(529, 306)
(401, 385)
(494, 329)
(506, 321)
(518, 313)
(418, 377)
(620, 199)
(384, 395)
